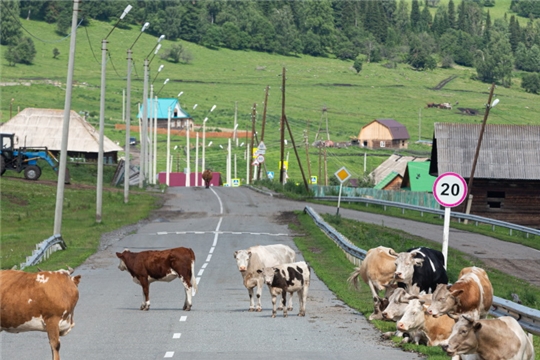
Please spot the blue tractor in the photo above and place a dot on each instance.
(25, 158)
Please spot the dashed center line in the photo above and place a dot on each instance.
(170, 354)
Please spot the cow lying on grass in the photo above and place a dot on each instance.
(42, 301)
(160, 265)
(287, 278)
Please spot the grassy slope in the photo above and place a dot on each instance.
(223, 77)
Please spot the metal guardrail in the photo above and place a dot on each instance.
(44, 249)
(528, 318)
(458, 215)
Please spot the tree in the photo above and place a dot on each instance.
(26, 50)
(531, 83)
(11, 56)
(415, 15)
(451, 15)
(495, 63)
(357, 65)
(10, 29)
(528, 59)
(55, 52)
(515, 33)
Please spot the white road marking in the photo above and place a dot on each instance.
(198, 280)
(169, 354)
(200, 272)
(176, 336)
(212, 249)
(162, 233)
(183, 318)
(204, 265)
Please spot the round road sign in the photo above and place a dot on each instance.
(450, 189)
(260, 159)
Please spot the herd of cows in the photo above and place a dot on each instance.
(429, 310)
(417, 297)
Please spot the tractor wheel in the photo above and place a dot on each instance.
(32, 172)
(2, 165)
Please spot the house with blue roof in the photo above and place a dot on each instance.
(159, 108)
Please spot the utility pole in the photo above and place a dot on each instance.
(263, 124)
(325, 168)
(249, 157)
(65, 127)
(282, 125)
(297, 156)
(475, 160)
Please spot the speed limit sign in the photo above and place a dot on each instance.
(450, 189)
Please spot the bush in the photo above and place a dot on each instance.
(531, 83)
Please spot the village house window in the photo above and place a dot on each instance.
(495, 199)
(364, 144)
(383, 144)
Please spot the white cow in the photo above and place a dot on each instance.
(287, 278)
(256, 258)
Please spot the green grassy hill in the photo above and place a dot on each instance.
(223, 77)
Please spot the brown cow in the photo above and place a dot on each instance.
(473, 291)
(42, 301)
(435, 331)
(502, 339)
(377, 270)
(160, 265)
(207, 177)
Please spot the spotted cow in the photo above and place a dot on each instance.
(287, 278)
(43, 301)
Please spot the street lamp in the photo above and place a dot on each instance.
(127, 120)
(144, 131)
(165, 82)
(99, 197)
(169, 142)
(204, 138)
(158, 71)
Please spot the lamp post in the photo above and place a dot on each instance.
(127, 120)
(99, 197)
(169, 143)
(144, 131)
(204, 139)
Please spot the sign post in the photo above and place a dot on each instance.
(449, 189)
(342, 175)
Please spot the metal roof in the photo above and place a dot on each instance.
(43, 127)
(506, 152)
(397, 130)
(418, 177)
(162, 107)
(386, 180)
(395, 163)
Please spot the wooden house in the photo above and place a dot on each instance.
(159, 108)
(384, 133)
(389, 174)
(506, 181)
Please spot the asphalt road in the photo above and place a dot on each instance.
(214, 223)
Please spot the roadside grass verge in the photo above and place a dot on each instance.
(27, 218)
(333, 268)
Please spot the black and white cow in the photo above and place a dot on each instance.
(287, 278)
(421, 266)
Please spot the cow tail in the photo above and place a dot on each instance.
(193, 278)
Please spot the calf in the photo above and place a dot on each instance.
(377, 270)
(501, 339)
(398, 301)
(435, 331)
(421, 266)
(161, 265)
(43, 301)
(258, 257)
(287, 278)
(472, 292)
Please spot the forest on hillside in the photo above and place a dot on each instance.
(424, 34)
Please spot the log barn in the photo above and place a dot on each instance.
(506, 181)
(384, 133)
